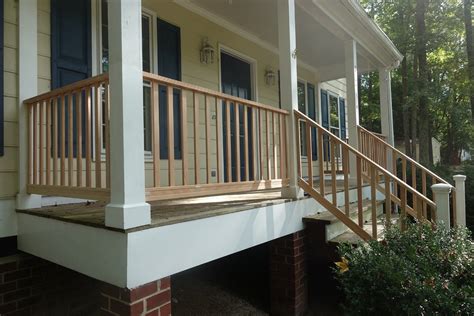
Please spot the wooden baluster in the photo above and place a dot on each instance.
(107, 134)
(63, 140)
(197, 166)
(219, 130)
(345, 169)
(70, 154)
(35, 143)
(207, 105)
(360, 214)
(48, 142)
(373, 198)
(404, 170)
(275, 152)
(298, 148)
(333, 171)
(55, 140)
(41, 142)
(237, 141)
(31, 149)
(228, 147)
(453, 208)
(395, 172)
(155, 133)
(170, 105)
(246, 144)
(388, 200)
(267, 147)
(184, 137)
(282, 146)
(403, 214)
(88, 138)
(413, 182)
(255, 152)
(98, 130)
(321, 159)
(79, 138)
(308, 151)
(260, 119)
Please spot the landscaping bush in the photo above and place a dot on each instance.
(421, 271)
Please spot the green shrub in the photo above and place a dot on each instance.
(420, 271)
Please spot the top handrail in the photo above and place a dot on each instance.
(220, 95)
(70, 87)
(411, 160)
(400, 182)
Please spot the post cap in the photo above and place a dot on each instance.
(441, 188)
(459, 177)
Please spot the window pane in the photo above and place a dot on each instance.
(301, 97)
(146, 43)
(147, 116)
(333, 104)
(105, 37)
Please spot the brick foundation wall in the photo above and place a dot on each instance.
(32, 286)
(151, 299)
(288, 281)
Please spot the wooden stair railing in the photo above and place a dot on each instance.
(409, 170)
(311, 170)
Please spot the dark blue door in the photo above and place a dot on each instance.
(70, 52)
(325, 121)
(235, 80)
(312, 114)
(169, 65)
(342, 117)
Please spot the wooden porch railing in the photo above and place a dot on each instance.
(409, 170)
(225, 144)
(313, 183)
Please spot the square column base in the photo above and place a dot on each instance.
(292, 192)
(27, 201)
(127, 216)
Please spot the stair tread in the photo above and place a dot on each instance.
(351, 237)
(329, 218)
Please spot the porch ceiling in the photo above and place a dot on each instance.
(320, 41)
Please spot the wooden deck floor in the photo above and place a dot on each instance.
(166, 212)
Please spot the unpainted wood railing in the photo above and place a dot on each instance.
(68, 140)
(69, 147)
(209, 162)
(376, 177)
(421, 179)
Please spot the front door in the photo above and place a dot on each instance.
(236, 81)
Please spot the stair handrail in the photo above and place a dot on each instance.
(375, 168)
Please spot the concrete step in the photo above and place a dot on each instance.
(334, 227)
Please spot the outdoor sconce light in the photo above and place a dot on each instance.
(207, 52)
(270, 77)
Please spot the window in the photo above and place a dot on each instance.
(334, 114)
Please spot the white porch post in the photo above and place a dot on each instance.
(289, 87)
(352, 91)
(386, 114)
(127, 207)
(441, 198)
(459, 182)
(27, 88)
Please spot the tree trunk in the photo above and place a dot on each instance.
(423, 112)
(470, 50)
(414, 114)
(406, 107)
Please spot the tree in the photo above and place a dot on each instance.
(470, 50)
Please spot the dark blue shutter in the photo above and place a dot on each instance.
(312, 114)
(325, 121)
(169, 65)
(2, 131)
(342, 117)
(71, 53)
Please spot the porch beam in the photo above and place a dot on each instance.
(289, 88)
(352, 91)
(386, 114)
(27, 88)
(127, 207)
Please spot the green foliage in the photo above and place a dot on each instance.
(421, 271)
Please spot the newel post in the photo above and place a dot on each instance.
(459, 183)
(441, 198)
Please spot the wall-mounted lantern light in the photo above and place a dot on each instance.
(270, 77)
(207, 52)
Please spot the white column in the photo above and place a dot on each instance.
(127, 207)
(352, 97)
(441, 198)
(459, 182)
(289, 87)
(27, 88)
(386, 114)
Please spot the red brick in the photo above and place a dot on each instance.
(165, 310)
(10, 266)
(22, 312)
(165, 283)
(143, 291)
(106, 313)
(7, 287)
(104, 302)
(125, 309)
(5, 308)
(155, 312)
(110, 290)
(16, 295)
(158, 300)
(32, 300)
(20, 274)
